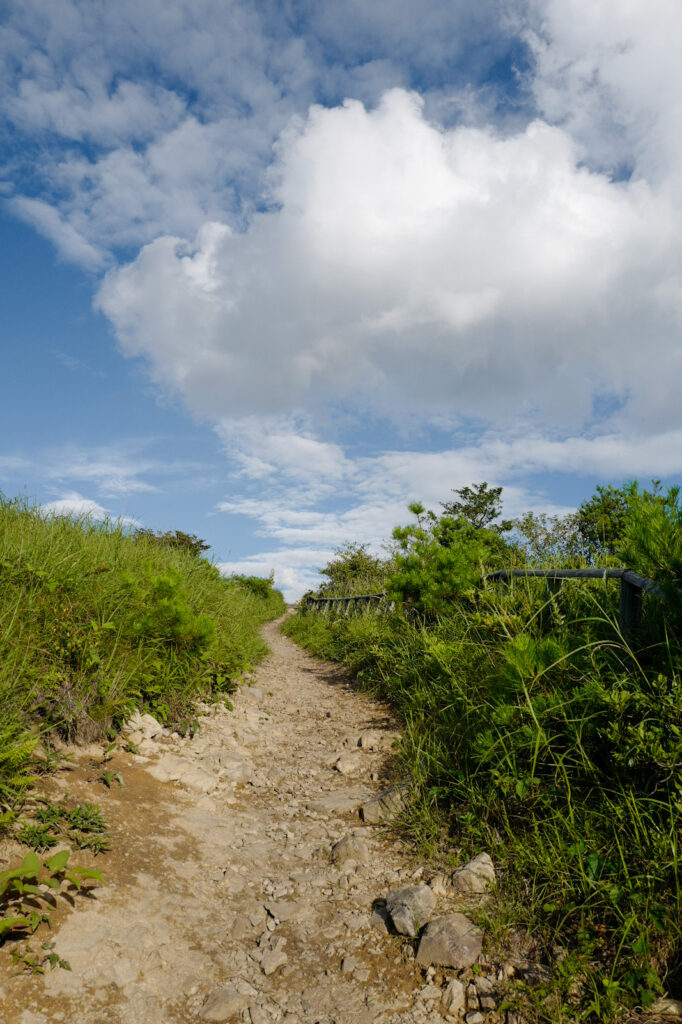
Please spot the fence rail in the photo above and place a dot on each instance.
(346, 603)
(632, 588)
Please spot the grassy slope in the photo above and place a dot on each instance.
(533, 730)
(94, 623)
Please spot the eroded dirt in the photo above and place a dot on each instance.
(220, 900)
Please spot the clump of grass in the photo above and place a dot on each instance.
(82, 825)
(95, 622)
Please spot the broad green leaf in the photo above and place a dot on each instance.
(59, 861)
(87, 873)
(30, 866)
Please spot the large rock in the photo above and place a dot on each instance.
(350, 848)
(668, 1008)
(454, 997)
(410, 908)
(146, 724)
(370, 740)
(450, 941)
(339, 802)
(348, 764)
(384, 806)
(476, 876)
(223, 1005)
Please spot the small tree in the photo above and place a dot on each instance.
(651, 539)
(479, 505)
(440, 561)
(175, 539)
(601, 519)
(353, 571)
(551, 539)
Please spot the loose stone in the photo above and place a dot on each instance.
(665, 1007)
(454, 997)
(146, 724)
(350, 848)
(411, 908)
(273, 960)
(450, 941)
(476, 877)
(223, 1004)
(472, 998)
(383, 807)
(531, 973)
(370, 740)
(348, 764)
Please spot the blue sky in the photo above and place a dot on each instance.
(272, 270)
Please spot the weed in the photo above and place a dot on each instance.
(96, 843)
(39, 837)
(83, 825)
(108, 778)
(23, 900)
(35, 963)
(86, 817)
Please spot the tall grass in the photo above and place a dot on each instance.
(95, 622)
(532, 728)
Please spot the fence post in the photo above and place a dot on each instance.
(630, 608)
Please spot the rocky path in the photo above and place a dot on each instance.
(223, 899)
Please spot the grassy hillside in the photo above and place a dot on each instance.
(534, 730)
(95, 622)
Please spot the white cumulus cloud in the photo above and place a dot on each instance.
(406, 263)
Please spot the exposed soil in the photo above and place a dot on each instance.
(220, 900)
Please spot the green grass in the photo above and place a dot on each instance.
(95, 622)
(533, 730)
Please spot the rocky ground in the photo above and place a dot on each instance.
(244, 885)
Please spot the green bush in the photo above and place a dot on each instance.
(439, 560)
(95, 622)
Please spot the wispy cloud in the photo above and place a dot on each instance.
(77, 365)
(75, 506)
(115, 471)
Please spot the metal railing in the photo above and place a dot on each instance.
(632, 588)
(348, 603)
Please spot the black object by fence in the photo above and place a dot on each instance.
(632, 587)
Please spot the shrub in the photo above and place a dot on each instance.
(95, 621)
(533, 729)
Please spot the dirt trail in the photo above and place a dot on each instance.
(222, 902)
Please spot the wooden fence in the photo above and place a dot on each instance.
(632, 588)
